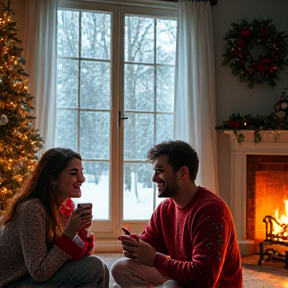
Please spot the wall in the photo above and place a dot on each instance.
(19, 7)
(232, 96)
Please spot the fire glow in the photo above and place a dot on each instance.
(280, 228)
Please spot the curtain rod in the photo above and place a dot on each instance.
(212, 2)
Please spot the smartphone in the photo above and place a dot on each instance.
(84, 206)
(126, 231)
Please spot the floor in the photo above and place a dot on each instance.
(271, 274)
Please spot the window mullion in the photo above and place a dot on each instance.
(79, 84)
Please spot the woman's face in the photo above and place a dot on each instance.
(69, 181)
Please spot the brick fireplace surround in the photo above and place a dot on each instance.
(249, 162)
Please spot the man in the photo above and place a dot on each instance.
(190, 240)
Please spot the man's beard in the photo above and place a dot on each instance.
(168, 191)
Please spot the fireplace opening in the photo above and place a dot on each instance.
(267, 194)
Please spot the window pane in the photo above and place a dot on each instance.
(67, 83)
(139, 135)
(95, 35)
(165, 89)
(91, 105)
(67, 129)
(95, 189)
(95, 132)
(139, 39)
(139, 87)
(68, 33)
(95, 85)
(166, 41)
(164, 127)
(138, 192)
(149, 91)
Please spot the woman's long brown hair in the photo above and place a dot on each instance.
(39, 185)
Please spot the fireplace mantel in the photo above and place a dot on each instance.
(277, 141)
(273, 143)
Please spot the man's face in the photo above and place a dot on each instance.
(166, 180)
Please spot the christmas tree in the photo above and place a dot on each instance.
(19, 140)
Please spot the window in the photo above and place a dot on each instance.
(115, 96)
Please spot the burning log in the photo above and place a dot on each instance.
(276, 231)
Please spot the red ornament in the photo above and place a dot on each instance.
(231, 124)
(245, 32)
(237, 124)
(266, 31)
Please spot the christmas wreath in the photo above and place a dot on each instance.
(242, 38)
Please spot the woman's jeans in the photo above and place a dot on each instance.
(87, 272)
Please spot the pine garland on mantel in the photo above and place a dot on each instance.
(258, 123)
(275, 121)
(250, 122)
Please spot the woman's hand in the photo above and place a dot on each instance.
(79, 220)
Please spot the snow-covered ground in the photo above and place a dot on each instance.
(134, 209)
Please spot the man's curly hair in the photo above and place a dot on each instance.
(179, 154)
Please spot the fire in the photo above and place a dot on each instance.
(282, 229)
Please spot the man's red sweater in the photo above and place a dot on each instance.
(199, 242)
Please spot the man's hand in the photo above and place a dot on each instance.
(138, 250)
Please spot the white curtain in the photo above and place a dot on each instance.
(40, 53)
(195, 107)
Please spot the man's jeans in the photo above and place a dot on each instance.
(128, 274)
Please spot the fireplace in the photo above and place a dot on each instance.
(257, 169)
(267, 193)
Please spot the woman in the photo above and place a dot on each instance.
(44, 243)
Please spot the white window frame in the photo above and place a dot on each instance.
(106, 232)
